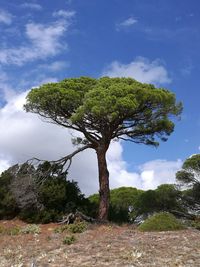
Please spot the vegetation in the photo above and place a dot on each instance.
(31, 229)
(8, 205)
(68, 240)
(165, 198)
(162, 221)
(78, 227)
(122, 200)
(45, 202)
(128, 203)
(106, 109)
(189, 177)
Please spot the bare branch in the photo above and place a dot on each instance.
(56, 167)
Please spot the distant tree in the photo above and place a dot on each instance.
(103, 110)
(165, 198)
(122, 200)
(189, 178)
(168, 198)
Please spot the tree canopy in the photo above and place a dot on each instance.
(106, 109)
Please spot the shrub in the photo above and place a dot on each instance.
(13, 231)
(10, 231)
(162, 221)
(8, 206)
(68, 240)
(31, 229)
(77, 227)
(196, 224)
(61, 229)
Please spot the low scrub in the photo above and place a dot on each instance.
(68, 240)
(79, 227)
(162, 221)
(31, 229)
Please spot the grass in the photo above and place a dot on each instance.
(162, 221)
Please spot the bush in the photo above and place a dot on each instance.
(79, 227)
(68, 240)
(162, 221)
(31, 229)
(45, 200)
(8, 205)
(10, 231)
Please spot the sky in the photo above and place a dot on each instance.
(152, 41)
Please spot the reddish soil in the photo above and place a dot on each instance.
(99, 245)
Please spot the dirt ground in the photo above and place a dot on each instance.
(99, 245)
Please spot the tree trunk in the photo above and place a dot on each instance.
(104, 191)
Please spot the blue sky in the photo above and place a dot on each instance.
(154, 41)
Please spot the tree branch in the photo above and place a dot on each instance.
(56, 167)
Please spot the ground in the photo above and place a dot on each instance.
(99, 245)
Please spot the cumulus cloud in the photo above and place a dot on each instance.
(43, 40)
(140, 69)
(126, 23)
(156, 172)
(5, 17)
(24, 135)
(31, 6)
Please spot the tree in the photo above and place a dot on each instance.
(103, 110)
(189, 177)
(122, 200)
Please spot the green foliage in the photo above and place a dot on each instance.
(13, 230)
(68, 240)
(56, 196)
(165, 198)
(78, 227)
(162, 221)
(10, 231)
(189, 177)
(196, 224)
(61, 229)
(8, 205)
(121, 199)
(139, 111)
(31, 229)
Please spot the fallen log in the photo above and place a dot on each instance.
(77, 216)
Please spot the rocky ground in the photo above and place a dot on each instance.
(99, 245)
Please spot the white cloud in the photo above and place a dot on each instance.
(42, 41)
(31, 6)
(64, 13)
(24, 135)
(5, 17)
(140, 69)
(119, 176)
(199, 148)
(156, 172)
(126, 23)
